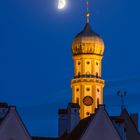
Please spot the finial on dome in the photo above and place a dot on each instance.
(87, 12)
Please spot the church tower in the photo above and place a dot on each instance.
(87, 85)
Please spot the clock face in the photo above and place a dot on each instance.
(88, 100)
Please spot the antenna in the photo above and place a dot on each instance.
(122, 94)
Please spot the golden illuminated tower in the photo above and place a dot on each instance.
(87, 85)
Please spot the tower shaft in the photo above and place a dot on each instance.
(87, 85)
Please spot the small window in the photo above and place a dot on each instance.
(77, 89)
(88, 113)
(88, 62)
(97, 63)
(79, 63)
(98, 90)
(88, 89)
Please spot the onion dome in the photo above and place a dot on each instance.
(88, 42)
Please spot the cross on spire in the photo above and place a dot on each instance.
(87, 12)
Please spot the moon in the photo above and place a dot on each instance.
(61, 4)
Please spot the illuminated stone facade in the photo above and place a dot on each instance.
(87, 85)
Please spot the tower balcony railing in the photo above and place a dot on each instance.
(87, 76)
(93, 80)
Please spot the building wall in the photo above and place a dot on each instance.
(12, 127)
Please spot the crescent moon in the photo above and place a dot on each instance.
(61, 4)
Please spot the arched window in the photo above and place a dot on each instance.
(77, 100)
(97, 75)
(98, 102)
(78, 74)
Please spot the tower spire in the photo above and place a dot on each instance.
(87, 12)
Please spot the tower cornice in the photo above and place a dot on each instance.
(89, 80)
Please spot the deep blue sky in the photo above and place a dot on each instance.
(36, 62)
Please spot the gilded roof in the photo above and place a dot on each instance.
(87, 42)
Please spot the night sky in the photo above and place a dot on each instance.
(36, 63)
